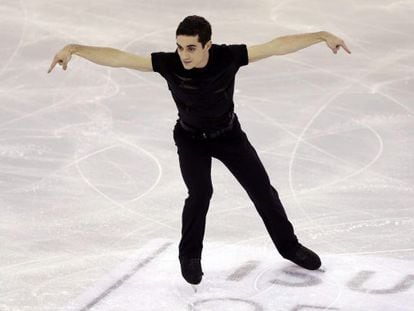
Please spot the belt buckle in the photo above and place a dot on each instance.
(204, 135)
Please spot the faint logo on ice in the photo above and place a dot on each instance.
(251, 279)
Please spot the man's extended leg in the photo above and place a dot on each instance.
(236, 152)
(241, 159)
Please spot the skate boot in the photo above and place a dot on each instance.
(191, 270)
(303, 257)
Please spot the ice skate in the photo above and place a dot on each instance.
(303, 257)
(191, 270)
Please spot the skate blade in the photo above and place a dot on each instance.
(194, 288)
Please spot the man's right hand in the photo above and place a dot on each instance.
(102, 56)
(62, 58)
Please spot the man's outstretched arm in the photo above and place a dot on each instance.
(289, 44)
(102, 56)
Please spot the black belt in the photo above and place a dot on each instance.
(200, 134)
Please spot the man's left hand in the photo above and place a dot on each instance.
(335, 43)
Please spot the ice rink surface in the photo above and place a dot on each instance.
(91, 193)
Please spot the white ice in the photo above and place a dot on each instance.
(89, 178)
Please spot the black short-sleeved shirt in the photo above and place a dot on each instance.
(204, 96)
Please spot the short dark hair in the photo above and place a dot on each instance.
(195, 25)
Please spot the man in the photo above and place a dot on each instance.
(200, 76)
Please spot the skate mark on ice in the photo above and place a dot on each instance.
(127, 276)
(116, 203)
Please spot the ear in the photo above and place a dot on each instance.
(208, 45)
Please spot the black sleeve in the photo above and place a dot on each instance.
(160, 61)
(163, 62)
(239, 52)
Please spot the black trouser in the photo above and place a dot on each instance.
(238, 155)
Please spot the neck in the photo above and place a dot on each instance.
(204, 62)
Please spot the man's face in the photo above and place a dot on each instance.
(191, 52)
